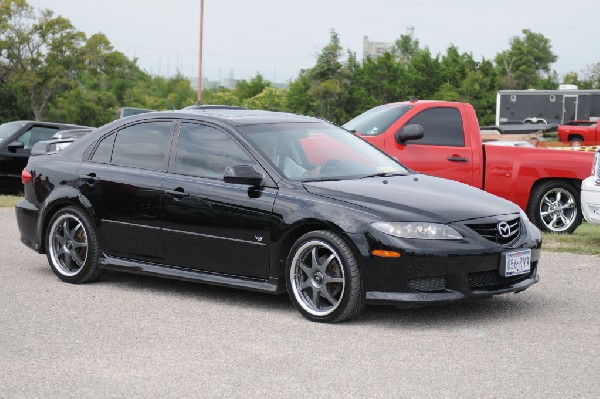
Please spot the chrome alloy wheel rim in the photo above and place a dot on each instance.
(68, 245)
(317, 278)
(558, 209)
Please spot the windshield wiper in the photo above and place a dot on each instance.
(384, 174)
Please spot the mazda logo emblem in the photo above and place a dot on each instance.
(503, 229)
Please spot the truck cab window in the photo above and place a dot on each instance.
(443, 126)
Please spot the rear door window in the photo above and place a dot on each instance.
(143, 145)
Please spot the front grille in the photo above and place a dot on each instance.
(428, 284)
(491, 231)
(492, 278)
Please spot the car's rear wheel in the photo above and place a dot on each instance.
(323, 278)
(555, 207)
(72, 246)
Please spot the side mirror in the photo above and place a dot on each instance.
(242, 174)
(14, 146)
(409, 132)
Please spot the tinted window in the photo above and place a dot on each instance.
(104, 149)
(35, 134)
(443, 126)
(205, 151)
(143, 145)
(7, 129)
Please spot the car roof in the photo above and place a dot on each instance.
(236, 117)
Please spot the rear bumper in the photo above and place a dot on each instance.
(27, 220)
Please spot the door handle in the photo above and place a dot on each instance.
(456, 158)
(178, 193)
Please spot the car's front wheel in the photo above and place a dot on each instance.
(324, 279)
(72, 246)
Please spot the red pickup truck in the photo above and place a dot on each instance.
(578, 135)
(443, 139)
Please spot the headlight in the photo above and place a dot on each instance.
(422, 230)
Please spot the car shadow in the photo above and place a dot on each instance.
(187, 289)
(467, 313)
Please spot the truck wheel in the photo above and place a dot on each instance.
(323, 278)
(555, 207)
(575, 141)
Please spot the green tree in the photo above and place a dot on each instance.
(322, 90)
(220, 96)
(270, 99)
(526, 64)
(405, 48)
(43, 53)
(591, 77)
(297, 99)
(248, 89)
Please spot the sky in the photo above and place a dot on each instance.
(278, 38)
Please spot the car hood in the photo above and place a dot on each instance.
(429, 198)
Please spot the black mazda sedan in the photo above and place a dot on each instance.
(270, 202)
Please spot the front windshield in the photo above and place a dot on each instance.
(319, 151)
(7, 129)
(376, 120)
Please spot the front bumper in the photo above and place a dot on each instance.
(433, 272)
(461, 289)
(590, 200)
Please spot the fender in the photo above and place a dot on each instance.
(59, 198)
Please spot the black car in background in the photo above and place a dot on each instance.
(270, 202)
(16, 141)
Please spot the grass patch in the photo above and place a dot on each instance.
(585, 240)
(9, 200)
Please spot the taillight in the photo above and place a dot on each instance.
(25, 176)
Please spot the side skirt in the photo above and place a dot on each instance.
(271, 285)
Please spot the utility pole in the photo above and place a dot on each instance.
(200, 56)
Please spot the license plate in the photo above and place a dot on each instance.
(515, 263)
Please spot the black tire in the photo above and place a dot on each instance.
(72, 246)
(555, 207)
(323, 278)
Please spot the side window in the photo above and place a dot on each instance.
(443, 126)
(35, 134)
(104, 150)
(205, 152)
(142, 146)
